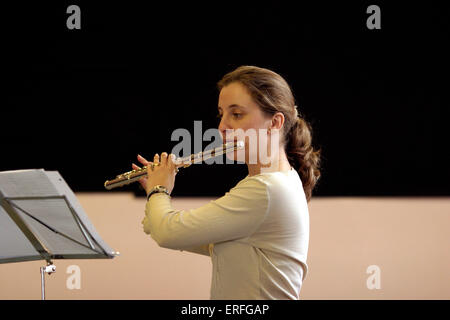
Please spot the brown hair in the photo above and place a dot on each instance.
(273, 94)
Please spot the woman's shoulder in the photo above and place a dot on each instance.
(272, 182)
(281, 185)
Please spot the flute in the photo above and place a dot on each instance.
(136, 175)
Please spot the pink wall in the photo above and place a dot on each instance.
(407, 238)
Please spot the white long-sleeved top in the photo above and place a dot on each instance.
(257, 235)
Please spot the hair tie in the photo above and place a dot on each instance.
(296, 119)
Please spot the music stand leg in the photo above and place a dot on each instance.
(50, 268)
(42, 284)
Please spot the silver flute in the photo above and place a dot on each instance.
(135, 175)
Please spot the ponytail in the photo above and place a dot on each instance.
(302, 156)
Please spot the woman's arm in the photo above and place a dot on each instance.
(237, 214)
(201, 249)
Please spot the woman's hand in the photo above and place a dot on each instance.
(163, 174)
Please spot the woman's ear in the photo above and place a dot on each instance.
(277, 121)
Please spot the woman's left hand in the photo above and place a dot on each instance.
(163, 174)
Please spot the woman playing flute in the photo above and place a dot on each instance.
(257, 234)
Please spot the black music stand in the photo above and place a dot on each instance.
(41, 218)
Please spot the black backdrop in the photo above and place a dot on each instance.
(85, 102)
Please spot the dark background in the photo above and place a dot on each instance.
(85, 102)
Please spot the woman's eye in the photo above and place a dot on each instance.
(235, 115)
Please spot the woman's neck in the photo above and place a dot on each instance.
(280, 163)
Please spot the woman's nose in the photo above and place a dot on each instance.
(223, 126)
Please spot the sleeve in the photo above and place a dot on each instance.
(237, 214)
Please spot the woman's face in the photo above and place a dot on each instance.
(237, 110)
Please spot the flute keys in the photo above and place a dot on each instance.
(135, 175)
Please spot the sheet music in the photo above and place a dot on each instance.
(48, 210)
